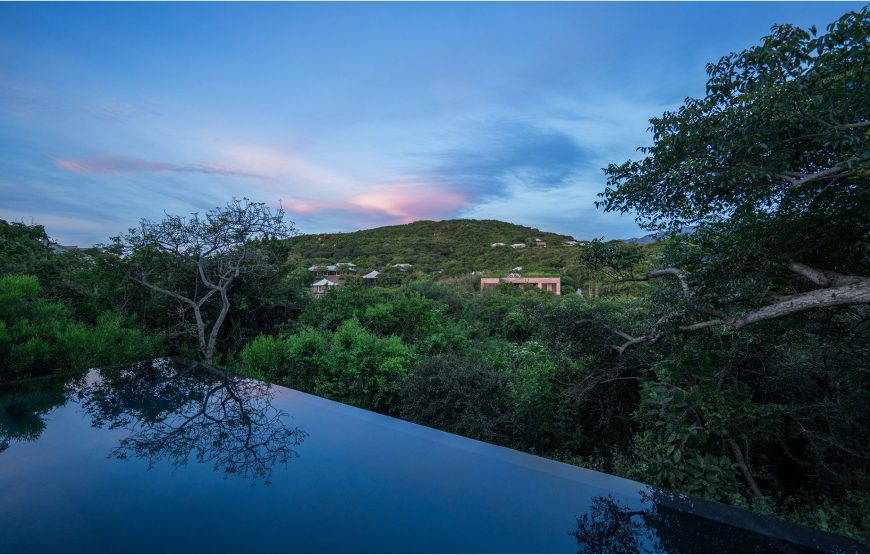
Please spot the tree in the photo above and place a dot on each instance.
(773, 167)
(195, 260)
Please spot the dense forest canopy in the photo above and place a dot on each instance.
(662, 378)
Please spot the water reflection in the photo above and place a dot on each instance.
(178, 412)
(24, 404)
(611, 527)
(659, 526)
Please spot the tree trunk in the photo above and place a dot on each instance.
(747, 475)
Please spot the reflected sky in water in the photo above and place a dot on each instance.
(168, 457)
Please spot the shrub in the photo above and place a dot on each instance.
(364, 370)
(460, 394)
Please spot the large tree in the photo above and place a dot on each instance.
(771, 169)
(196, 259)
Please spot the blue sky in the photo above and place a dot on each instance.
(349, 115)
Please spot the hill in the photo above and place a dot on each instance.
(453, 247)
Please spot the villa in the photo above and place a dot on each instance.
(551, 284)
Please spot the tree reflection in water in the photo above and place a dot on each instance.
(176, 412)
(668, 523)
(611, 527)
(24, 404)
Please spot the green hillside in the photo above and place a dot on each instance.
(452, 246)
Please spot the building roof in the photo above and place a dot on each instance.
(518, 245)
(322, 282)
(371, 275)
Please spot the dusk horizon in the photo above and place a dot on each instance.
(349, 116)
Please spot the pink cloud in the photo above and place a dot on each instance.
(115, 165)
(402, 203)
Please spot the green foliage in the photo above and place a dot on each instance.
(772, 165)
(460, 393)
(23, 248)
(38, 336)
(365, 370)
(293, 360)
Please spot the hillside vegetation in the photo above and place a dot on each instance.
(451, 246)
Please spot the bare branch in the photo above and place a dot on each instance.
(836, 290)
(797, 179)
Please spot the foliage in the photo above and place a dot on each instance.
(38, 336)
(772, 165)
(364, 369)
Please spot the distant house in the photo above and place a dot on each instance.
(518, 246)
(403, 267)
(570, 243)
(494, 245)
(551, 284)
(371, 277)
(540, 243)
(57, 248)
(321, 287)
(337, 269)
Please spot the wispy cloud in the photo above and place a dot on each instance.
(115, 165)
(395, 203)
(506, 153)
(27, 99)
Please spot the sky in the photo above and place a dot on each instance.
(347, 115)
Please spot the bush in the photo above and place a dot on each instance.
(460, 394)
(364, 370)
(38, 336)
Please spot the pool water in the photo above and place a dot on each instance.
(168, 456)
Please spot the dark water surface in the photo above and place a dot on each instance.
(166, 456)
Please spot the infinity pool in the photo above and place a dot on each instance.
(167, 456)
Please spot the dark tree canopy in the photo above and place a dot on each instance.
(772, 167)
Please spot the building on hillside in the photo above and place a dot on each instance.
(371, 278)
(337, 269)
(518, 246)
(403, 267)
(551, 284)
(494, 245)
(540, 243)
(321, 287)
(570, 243)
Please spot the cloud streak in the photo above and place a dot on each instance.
(509, 153)
(403, 203)
(118, 165)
